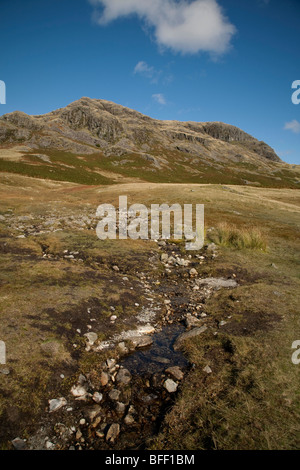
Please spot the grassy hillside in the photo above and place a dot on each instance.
(53, 269)
(99, 142)
(98, 169)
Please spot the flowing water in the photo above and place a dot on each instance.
(159, 356)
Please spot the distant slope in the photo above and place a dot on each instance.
(98, 142)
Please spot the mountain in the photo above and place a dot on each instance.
(95, 141)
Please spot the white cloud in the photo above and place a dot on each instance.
(148, 71)
(143, 68)
(159, 98)
(293, 126)
(186, 26)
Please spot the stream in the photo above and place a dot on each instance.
(159, 355)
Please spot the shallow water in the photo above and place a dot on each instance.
(159, 355)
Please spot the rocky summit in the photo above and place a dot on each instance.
(94, 141)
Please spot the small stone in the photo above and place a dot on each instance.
(149, 399)
(146, 329)
(19, 444)
(113, 433)
(191, 320)
(193, 272)
(49, 445)
(211, 247)
(82, 422)
(175, 372)
(114, 394)
(110, 363)
(123, 376)
(97, 397)
(56, 404)
(96, 422)
(141, 341)
(113, 318)
(129, 419)
(207, 369)
(116, 268)
(104, 378)
(171, 260)
(92, 412)
(82, 379)
(78, 390)
(182, 262)
(122, 348)
(131, 410)
(91, 337)
(120, 407)
(170, 385)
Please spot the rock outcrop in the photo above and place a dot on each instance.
(89, 125)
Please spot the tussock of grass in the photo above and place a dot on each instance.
(229, 235)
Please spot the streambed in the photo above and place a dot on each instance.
(159, 356)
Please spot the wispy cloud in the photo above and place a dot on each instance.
(147, 71)
(185, 26)
(159, 98)
(293, 126)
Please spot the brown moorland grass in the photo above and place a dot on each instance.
(250, 401)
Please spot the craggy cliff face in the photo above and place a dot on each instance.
(99, 124)
(103, 136)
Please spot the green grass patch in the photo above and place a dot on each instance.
(229, 235)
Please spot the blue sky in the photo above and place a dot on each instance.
(195, 60)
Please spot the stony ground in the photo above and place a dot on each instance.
(112, 407)
(143, 345)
